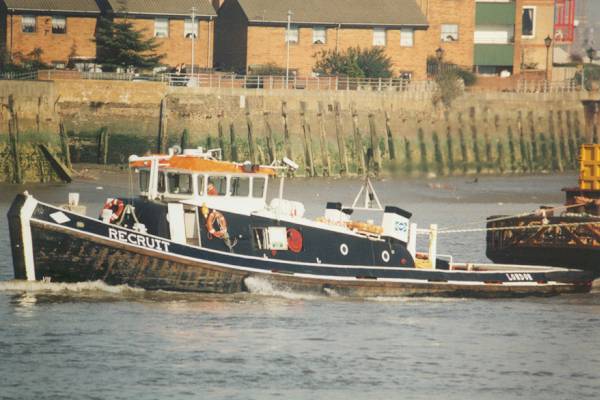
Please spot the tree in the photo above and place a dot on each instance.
(119, 45)
(355, 63)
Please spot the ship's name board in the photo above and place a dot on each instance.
(519, 277)
(138, 240)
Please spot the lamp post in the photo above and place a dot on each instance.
(287, 45)
(548, 43)
(439, 54)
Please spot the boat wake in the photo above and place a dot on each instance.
(265, 288)
(415, 299)
(65, 288)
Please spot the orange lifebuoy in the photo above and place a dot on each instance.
(210, 224)
(294, 238)
(116, 206)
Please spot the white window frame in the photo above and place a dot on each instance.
(377, 40)
(319, 35)
(57, 19)
(534, 8)
(293, 35)
(31, 18)
(189, 28)
(407, 37)
(158, 29)
(444, 35)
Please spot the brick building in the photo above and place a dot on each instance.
(170, 22)
(509, 36)
(63, 29)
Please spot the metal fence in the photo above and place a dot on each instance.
(218, 80)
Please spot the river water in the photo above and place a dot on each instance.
(92, 341)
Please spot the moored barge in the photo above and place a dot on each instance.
(564, 236)
(201, 224)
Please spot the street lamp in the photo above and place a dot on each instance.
(548, 43)
(439, 54)
(193, 39)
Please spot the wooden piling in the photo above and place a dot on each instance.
(251, 144)
(449, 144)
(287, 144)
(464, 152)
(390, 137)
(554, 146)
(375, 150)
(571, 140)
(475, 140)
(562, 143)
(486, 139)
(271, 146)
(38, 116)
(13, 138)
(103, 137)
(424, 166)
(325, 159)
(500, 166)
(221, 132)
(437, 154)
(185, 139)
(408, 167)
(309, 164)
(511, 150)
(535, 160)
(64, 144)
(340, 139)
(163, 140)
(233, 156)
(358, 144)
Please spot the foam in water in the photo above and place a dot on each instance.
(57, 287)
(264, 287)
(415, 299)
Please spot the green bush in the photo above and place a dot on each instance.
(354, 62)
(592, 74)
(267, 69)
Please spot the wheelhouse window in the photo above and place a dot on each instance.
(378, 36)
(407, 37)
(240, 186)
(528, 22)
(59, 24)
(190, 28)
(144, 180)
(161, 186)
(217, 186)
(291, 35)
(28, 23)
(449, 33)
(319, 35)
(258, 187)
(161, 27)
(180, 183)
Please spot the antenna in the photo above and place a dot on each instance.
(369, 196)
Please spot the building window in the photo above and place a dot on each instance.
(528, 22)
(190, 29)
(449, 33)
(161, 27)
(407, 37)
(319, 35)
(292, 34)
(378, 36)
(59, 24)
(28, 23)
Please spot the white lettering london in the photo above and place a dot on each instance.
(139, 240)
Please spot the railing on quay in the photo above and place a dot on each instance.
(218, 80)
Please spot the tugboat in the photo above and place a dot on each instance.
(564, 236)
(200, 224)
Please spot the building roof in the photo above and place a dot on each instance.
(162, 7)
(71, 6)
(344, 12)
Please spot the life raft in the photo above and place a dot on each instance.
(117, 207)
(216, 216)
(294, 239)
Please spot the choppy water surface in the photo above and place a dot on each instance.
(91, 340)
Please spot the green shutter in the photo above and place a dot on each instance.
(495, 13)
(494, 54)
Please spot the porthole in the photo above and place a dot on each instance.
(344, 249)
(385, 256)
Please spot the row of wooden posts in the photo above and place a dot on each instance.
(521, 148)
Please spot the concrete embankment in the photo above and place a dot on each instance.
(326, 132)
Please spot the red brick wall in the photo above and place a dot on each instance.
(176, 47)
(77, 41)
